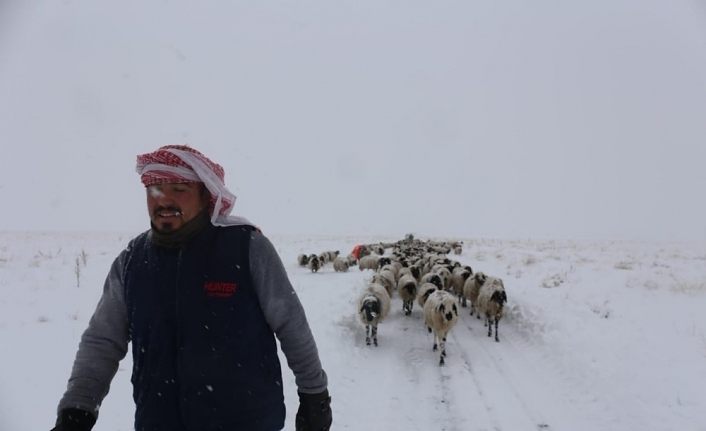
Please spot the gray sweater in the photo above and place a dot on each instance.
(104, 342)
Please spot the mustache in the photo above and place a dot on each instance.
(160, 209)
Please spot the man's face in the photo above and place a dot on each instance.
(171, 205)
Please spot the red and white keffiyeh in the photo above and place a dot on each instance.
(183, 164)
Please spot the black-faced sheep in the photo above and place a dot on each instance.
(407, 289)
(423, 292)
(440, 316)
(302, 259)
(314, 263)
(445, 275)
(412, 269)
(330, 256)
(373, 307)
(491, 299)
(434, 279)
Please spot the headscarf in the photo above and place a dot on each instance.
(183, 164)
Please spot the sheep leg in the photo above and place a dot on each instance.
(375, 335)
(367, 335)
(496, 329)
(490, 326)
(442, 354)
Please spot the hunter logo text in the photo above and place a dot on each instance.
(219, 289)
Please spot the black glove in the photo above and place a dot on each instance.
(74, 420)
(314, 412)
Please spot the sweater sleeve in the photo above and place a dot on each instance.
(285, 315)
(102, 346)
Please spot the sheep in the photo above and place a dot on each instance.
(351, 260)
(440, 316)
(393, 266)
(471, 288)
(368, 262)
(373, 307)
(302, 259)
(383, 260)
(340, 264)
(458, 278)
(378, 248)
(432, 278)
(407, 289)
(387, 279)
(491, 299)
(331, 255)
(314, 263)
(413, 270)
(423, 292)
(444, 273)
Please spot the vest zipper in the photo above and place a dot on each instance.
(177, 328)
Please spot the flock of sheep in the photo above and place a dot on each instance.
(418, 271)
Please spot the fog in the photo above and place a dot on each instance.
(506, 119)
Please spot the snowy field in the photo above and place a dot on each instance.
(598, 336)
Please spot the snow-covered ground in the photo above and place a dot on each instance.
(602, 335)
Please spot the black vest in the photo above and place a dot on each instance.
(204, 358)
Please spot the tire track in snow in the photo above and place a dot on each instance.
(490, 374)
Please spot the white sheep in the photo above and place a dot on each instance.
(351, 260)
(491, 299)
(368, 262)
(340, 264)
(471, 288)
(387, 279)
(407, 289)
(423, 292)
(395, 266)
(458, 278)
(373, 307)
(440, 316)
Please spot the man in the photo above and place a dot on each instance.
(201, 296)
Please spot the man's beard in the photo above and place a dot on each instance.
(164, 226)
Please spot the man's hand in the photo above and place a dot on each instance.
(74, 420)
(314, 412)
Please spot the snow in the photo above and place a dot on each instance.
(598, 335)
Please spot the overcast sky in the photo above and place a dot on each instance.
(522, 119)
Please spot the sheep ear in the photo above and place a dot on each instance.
(442, 308)
(455, 309)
